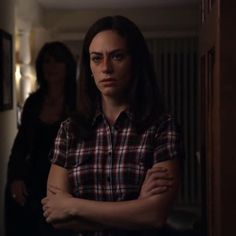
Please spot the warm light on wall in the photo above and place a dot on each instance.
(17, 76)
(24, 84)
(24, 72)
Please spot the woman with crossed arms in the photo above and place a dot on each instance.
(115, 164)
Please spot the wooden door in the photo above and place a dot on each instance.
(218, 115)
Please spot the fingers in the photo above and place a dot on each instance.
(55, 207)
(158, 190)
(46, 214)
(157, 180)
(160, 171)
(159, 176)
(46, 209)
(155, 186)
(44, 201)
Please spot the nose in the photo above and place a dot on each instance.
(107, 67)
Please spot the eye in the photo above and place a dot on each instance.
(96, 58)
(118, 56)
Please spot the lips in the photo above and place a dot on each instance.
(107, 80)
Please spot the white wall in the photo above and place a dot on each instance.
(28, 13)
(7, 118)
(30, 35)
(71, 25)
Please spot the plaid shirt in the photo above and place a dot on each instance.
(112, 164)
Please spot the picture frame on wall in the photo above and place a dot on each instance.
(6, 75)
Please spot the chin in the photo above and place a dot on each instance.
(112, 94)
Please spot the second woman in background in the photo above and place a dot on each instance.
(42, 114)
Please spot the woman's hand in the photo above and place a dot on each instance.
(57, 207)
(19, 191)
(157, 181)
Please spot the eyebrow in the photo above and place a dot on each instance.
(111, 52)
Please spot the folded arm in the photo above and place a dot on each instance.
(59, 202)
(65, 211)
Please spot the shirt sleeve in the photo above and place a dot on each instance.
(58, 154)
(168, 143)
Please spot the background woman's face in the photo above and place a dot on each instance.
(53, 69)
(110, 63)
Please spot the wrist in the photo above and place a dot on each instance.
(74, 207)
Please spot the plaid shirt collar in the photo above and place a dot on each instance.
(99, 115)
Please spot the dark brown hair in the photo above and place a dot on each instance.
(144, 97)
(60, 52)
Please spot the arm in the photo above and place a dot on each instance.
(150, 212)
(17, 166)
(58, 188)
(157, 180)
(57, 180)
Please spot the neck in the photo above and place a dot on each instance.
(112, 109)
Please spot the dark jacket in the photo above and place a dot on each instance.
(22, 147)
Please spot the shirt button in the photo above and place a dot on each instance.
(108, 179)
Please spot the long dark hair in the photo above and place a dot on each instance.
(144, 97)
(60, 52)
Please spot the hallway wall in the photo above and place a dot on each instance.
(7, 118)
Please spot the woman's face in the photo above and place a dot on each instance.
(54, 70)
(110, 63)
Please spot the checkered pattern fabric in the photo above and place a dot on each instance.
(112, 164)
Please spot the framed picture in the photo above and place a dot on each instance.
(6, 75)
